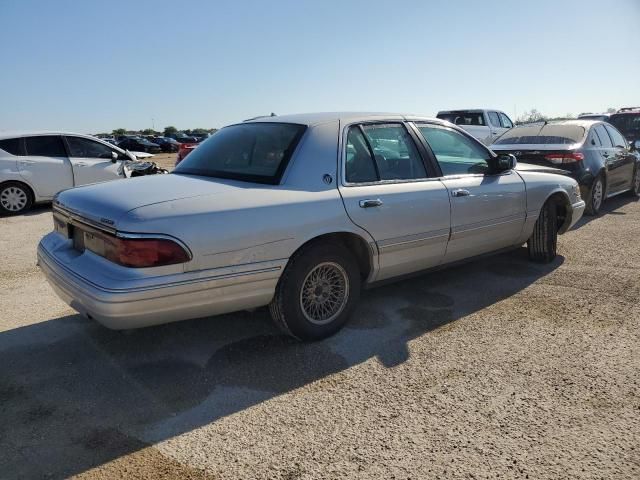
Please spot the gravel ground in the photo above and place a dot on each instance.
(500, 368)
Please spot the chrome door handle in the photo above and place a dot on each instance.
(370, 203)
(460, 193)
(81, 164)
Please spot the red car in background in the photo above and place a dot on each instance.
(186, 145)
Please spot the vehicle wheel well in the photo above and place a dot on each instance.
(563, 207)
(357, 245)
(30, 191)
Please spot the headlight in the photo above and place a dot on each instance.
(576, 193)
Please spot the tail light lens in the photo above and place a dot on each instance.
(144, 252)
(134, 252)
(562, 158)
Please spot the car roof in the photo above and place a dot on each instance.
(581, 122)
(312, 119)
(35, 133)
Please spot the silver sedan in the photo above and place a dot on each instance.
(299, 213)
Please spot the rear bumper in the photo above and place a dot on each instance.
(170, 298)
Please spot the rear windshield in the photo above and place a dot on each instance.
(463, 118)
(542, 135)
(626, 123)
(253, 152)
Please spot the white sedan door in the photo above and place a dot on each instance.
(387, 191)
(92, 161)
(45, 165)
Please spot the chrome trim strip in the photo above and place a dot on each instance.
(73, 216)
(464, 230)
(410, 241)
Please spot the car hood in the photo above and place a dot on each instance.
(529, 167)
(109, 202)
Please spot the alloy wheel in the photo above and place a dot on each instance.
(324, 293)
(13, 199)
(596, 195)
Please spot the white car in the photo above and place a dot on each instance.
(485, 125)
(36, 166)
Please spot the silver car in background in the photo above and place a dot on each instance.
(299, 213)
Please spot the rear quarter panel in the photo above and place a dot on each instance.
(263, 223)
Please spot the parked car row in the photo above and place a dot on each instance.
(265, 213)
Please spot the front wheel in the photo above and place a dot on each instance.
(316, 292)
(543, 243)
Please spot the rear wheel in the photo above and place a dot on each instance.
(316, 292)
(543, 243)
(596, 196)
(15, 198)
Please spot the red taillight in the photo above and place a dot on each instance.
(560, 158)
(144, 252)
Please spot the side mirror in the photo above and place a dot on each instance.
(506, 161)
(635, 145)
(114, 156)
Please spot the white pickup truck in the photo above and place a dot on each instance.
(485, 125)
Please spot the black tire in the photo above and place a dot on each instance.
(593, 205)
(543, 243)
(635, 182)
(287, 308)
(15, 198)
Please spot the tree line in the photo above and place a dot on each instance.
(169, 131)
(534, 115)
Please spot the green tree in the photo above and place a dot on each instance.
(611, 110)
(149, 131)
(170, 131)
(119, 131)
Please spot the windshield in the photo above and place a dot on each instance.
(254, 152)
(547, 134)
(626, 123)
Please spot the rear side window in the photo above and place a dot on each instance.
(602, 134)
(463, 118)
(45, 146)
(382, 152)
(546, 134)
(618, 139)
(12, 146)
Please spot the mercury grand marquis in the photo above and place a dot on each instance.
(300, 213)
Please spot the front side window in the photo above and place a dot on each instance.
(494, 119)
(253, 152)
(45, 146)
(456, 154)
(506, 123)
(395, 156)
(85, 148)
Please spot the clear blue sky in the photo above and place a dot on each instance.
(93, 66)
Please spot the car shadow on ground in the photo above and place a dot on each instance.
(74, 395)
(609, 207)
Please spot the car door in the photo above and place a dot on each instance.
(623, 162)
(496, 126)
(91, 161)
(388, 190)
(488, 210)
(607, 155)
(45, 165)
